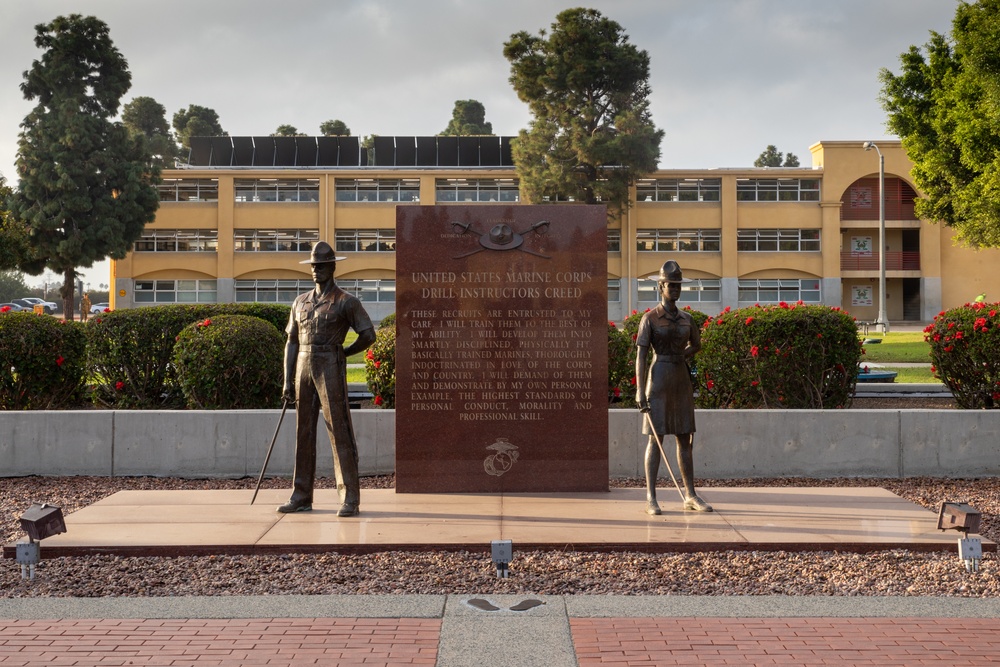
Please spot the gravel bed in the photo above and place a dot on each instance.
(893, 572)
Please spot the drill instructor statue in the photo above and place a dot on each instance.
(665, 391)
(316, 377)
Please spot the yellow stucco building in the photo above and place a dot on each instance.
(234, 224)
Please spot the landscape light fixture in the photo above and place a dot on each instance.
(882, 320)
(965, 519)
(503, 552)
(39, 521)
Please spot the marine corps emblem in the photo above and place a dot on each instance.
(499, 463)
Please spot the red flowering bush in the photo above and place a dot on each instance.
(778, 356)
(230, 362)
(43, 362)
(965, 353)
(380, 365)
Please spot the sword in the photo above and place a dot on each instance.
(284, 407)
(649, 420)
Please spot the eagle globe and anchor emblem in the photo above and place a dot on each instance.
(503, 459)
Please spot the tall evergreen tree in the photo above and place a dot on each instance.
(772, 157)
(587, 87)
(146, 117)
(468, 118)
(87, 187)
(196, 121)
(334, 128)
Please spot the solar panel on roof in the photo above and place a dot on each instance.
(489, 151)
(426, 152)
(327, 151)
(263, 151)
(447, 151)
(305, 148)
(242, 151)
(222, 152)
(201, 151)
(406, 151)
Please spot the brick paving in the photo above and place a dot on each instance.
(885, 642)
(220, 642)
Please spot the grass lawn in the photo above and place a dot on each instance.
(358, 375)
(902, 347)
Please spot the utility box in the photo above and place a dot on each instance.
(959, 516)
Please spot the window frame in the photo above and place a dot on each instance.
(170, 240)
(275, 190)
(776, 290)
(805, 239)
(180, 290)
(778, 189)
(678, 240)
(697, 190)
(477, 190)
(274, 240)
(377, 190)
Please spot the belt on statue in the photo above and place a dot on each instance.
(669, 358)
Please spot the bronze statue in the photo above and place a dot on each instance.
(666, 392)
(316, 377)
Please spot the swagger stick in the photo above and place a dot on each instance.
(663, 454)
(284, 407)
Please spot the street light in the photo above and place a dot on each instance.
(882, 320)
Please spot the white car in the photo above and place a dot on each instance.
(99, 307)
(49, 306)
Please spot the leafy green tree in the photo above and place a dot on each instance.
(772, 157)
(334, 128)
(286, 131)
(196, 121)
(12, 285)
(146, 117)
(587, 88)
(467, 119)
(13, 233)
(87, 188)
(945, 106)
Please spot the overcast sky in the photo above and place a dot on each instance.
(728, 77)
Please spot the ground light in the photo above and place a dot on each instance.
(965, 519)
(39, 521)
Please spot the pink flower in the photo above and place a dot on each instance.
(59, 361)
(378, 364)
(206, 323)
(5, 309)
(754, 351)
(119, 385)
(710, 384)
(378, 400)
(369, 355)
(618, 392)
(754, 383)
(782, 304)
(748, 321)
(632, 381)
(993, 313)
(819, 335)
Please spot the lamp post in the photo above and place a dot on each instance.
(882, 320)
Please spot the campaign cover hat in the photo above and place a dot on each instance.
(322, 253)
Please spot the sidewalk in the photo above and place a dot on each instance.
(465, 630)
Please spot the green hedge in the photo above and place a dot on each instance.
(43, 362)
(782, 356)
(130, 350)
(965, 353)
(230, 362)
(380, 364)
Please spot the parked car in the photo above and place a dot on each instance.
(49, 306)
(99, 307)
(10, 307)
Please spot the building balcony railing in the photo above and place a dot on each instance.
(894, 261)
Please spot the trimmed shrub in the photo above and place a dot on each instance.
(782, 356)
(130, 350)
(965, 353)
(230, 362)
(43, 362)
(380, 365)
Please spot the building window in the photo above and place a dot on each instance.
(178, 240)
(614, 290)
(777, 290)
(365, 240)
(777, 240)
(370, 290)
(276, 189)
(614, 240)
(270, 291)
(175, 291)
(678, 240)
(678, 189)
(476, 190)
(777, 189)
(698, 290)
(275, 240)
(189, 189)
(378, 189)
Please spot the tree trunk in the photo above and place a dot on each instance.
(66, 292)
